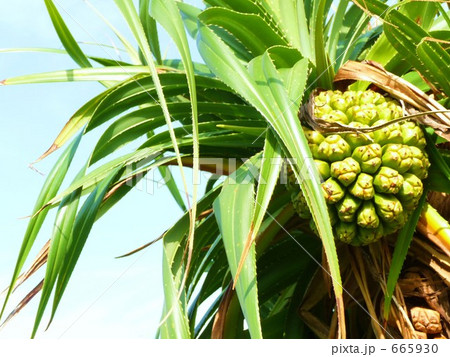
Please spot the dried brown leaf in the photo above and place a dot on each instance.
(134, 251)
(220, 319)
(315, 292)
(38, 262)
(432, 258)
(429, 286)
(23, 303)
(359, 272)
(441, 202)
(315, 324)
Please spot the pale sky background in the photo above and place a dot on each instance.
(107, 297)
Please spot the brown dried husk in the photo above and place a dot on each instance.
(417, 105)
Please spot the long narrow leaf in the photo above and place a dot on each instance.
(62, 230)
(234, 210)
(270, 170)
(167, 14)
(109, 73)
(338, 19)
(174, 321)
(81, 228)
(324, 68)
(49, 190)
(65, 36)
(244, 27)
(134, 56)
(150, 29)
(295, 26)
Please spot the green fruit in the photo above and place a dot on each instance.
(336, 116)
(397, 157)
(356, 139)
(388, 207)
(351, 111)
(371, 97)
(396, 224)
(338, 102)
(323, 98)
(420, 163)
(321, 111)
(313, 137)
(369, 235)
(410, 192)
(387, 180)
(346, 208)
(369, 157)
(345, 232)
(345, 171)
(363, 187)
(384, 113)
(397, 110)
(324, 169)
(314, 150)
(391, 134)
(300, 205)
(413, 135)
(372, 180)
(367, 216)
(334, 148)
(332, 190)
(364, 114)
(351, 97)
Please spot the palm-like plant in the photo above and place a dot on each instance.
(237, 115)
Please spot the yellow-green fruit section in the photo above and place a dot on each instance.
(371, 181)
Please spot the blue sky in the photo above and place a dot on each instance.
(107, 297)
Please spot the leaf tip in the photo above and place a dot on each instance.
(51, 149)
